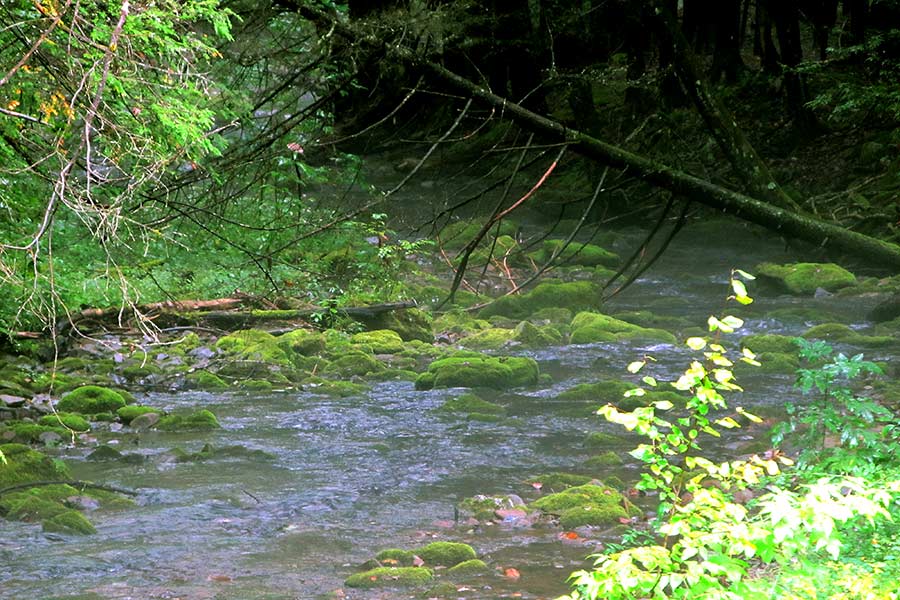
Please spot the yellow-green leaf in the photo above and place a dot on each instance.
(636, 366)
(695, 343)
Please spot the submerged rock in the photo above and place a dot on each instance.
(69, 521)
(470, 369)
(470, 403)
(804, 279)
(584, 255)
(838, 332)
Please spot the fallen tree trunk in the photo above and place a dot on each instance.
(832, 237)
(785, 222)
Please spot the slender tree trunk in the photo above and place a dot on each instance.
(727, 61)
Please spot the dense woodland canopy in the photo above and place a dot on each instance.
(160, 150)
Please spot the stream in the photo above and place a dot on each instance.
(348, 477)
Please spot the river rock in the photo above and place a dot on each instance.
(144, 421)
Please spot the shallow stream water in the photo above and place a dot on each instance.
(352, 476)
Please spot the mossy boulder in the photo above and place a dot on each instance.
(24, 464)
(599, 439)
(71, 421)
(803, 279)
(141, 371)
(445, 554)
(589, 504)
(204, 380)
(590, 327)
(779, 363)
(460, 322)
(31, 433)
(202, 420)
(607, 459)
(255, 385)
(91, 399)
(556, 482)
(396, 557)
(410, 324)
(838, 332)
(470, 403)
(494, 338)
(470, 369)
(585, 255)
(353, 363)
(390, 577)
(551, 315)
(127, 414)
(302, 341)
(456, 235)
(529, 335)
(238, 341)
(483, 507)
(69, 522)
(381, 341)
(646, 318)
(467, 568)
(575, 296)
(770, 342)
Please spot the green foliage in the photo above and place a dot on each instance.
(708, 545)
(838, 430)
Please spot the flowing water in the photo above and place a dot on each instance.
(348, 477)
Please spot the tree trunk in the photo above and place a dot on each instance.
(727, 63)
(786, 16)
(785, 222)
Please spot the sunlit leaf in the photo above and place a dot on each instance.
(695, 343)
(636, 366)
(663, 405)
(635, 392)
(749, 416)
(740, 290)
(649, 381)
(745, 275)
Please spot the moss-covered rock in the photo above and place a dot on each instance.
(646, 318)
(494, 338)
(585, 255)
(410, 324)
(141, 371)
(467, 568)
(302, 341)
(470, 369)
(590, 504)
(204, 380)
(483, 507)
(91, 399)
(255, 385)
(838, 332)
(607, 459)
(381, 341)
(24, 464)
(589, 327)
(805, 278)
(354, 363)
(770, 342)
(557, 482)
(71, 421)
(238, 341)
(396, 557)
(460, 322)
(328, 387)
(575, 296)
(458, 234)
(202, 420)
(599, 439)
(780, 363)
(127, 414)
(30, 433)
(530, 335)
(390, 577)
(470, 403)
(551, 315)
(70, 522)
(445, 554)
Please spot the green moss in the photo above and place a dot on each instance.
(71, 522)
(390, 577)
(582, 496)
(470, 369)
(445, 554)
(444, 589)
(396, 557)
(552, 315)
(200, 420)
(591, 516)
(588, 327)
(34, 505)
(410, 324)
(805, 278)
(382, 341)
(838, 332)
(141, 371)
(456, 235)
(556, 482)
(800, 315)
(303, 342)
(586, 255)
(353, 363)
(238, 341)
(255, 385)
(488, 339)
(190, 341)
(532, 336)
(469, 567)
(770, 362)
(70, 420)
(470, 403)
(127, 414)
(784, 344)
(91, 399)
(607, 459)
(575, 296)
(29, 433)
(204, 380)
(459, 321)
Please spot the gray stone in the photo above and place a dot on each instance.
(145, 421)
